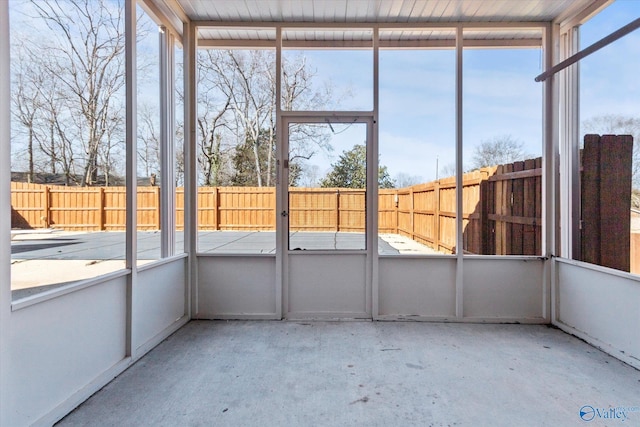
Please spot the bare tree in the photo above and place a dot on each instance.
(27, 102)
(236, 114)
(148, 140)
(86, 48)
(251, 103)
(406, 180)
(214, 104)
(300, 93)
(497, 151)
(447, 170)
(56, 131)
(112, 151)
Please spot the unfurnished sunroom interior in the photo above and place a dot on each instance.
(458, 176)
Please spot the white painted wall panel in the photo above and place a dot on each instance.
(601, 307)
(420, 287)
(327, 284)
(160, 296)
(503, 288)
(236, 287)
(59, 346)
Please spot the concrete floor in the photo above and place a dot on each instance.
(366, 373)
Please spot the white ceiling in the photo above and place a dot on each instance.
(389, 11)
(261, 13)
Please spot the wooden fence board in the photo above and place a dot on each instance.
(616, 157)
(508, 207)
(500, 209)
(529, 209)
(518, 209)
(590, 196)
(538, 199)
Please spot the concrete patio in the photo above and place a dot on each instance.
(367, 373)
(69, 256)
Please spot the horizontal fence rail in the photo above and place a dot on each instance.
(501, 209)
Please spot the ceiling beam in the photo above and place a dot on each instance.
(367, 44)
(318, 26)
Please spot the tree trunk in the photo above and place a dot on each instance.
(30, 151)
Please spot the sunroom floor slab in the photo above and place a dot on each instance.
(276, 373)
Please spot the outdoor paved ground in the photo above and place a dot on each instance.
(41, 261)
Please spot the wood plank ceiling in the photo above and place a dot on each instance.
(388, 11)
(307, 15)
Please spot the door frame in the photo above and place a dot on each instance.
(282, 205)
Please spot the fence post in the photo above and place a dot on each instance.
(483, 223)
(216, 206)
(47, 206)
(396, 202)
(517, 210)
(394, 213)
(158, 208)
(530, 203)
(411, 214)
(499, 210)
(436, 215)
(590, 196)
(615, 204)
(101, 210)
(337, 210)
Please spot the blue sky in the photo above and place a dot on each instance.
(609, 77)
(417, 101)
(417, 104)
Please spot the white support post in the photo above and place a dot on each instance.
(550, 169)
(170, 182)
(190, 178)
(5, 219)
(568, 136)
(281, 227)
(459, 181)
(372, 245)
(569, 143)
(167, 181)
(131, 168)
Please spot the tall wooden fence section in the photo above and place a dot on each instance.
(513, 223)
(501, 209)
(80, 208)
(607, 164)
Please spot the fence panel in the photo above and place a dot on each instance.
(115, 208)
(447, 216)
(514, 209)
(351, 210)
(244, 208)
(29, 205)
(76, 208)
(474, 209)
(314, 209)
(425, 213)
(501, 209)
(405, 212)
(387, 211)
(148, 211)
(180, 208)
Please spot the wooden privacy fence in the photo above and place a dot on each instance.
(501, 209)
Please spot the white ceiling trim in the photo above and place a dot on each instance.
(384, 44)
